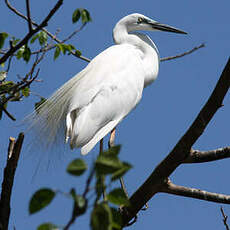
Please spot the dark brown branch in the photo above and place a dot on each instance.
(46, 31)
(8, 114)
(178, 190)
(225, 218)
(28, 15)
(181, 150)
(196, 156)
(183, 54)
(14, 150)
(11, 51)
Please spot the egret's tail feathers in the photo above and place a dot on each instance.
(98, 136)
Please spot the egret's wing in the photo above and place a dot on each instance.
(93, 102)
(109, 91)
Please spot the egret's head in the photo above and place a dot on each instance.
(134, 22)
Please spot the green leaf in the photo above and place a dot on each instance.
(108, 161)
(26, 54)
(101, 217)
(15, 41)
(35, 37)
(120, 172)
(78, 53)
(85, 16)
(26, 92)
(114, 150)
(20, 52)
(117, 219)
(118, 197)
(6, 85)
(47, 226)
(3, 37)
(57, 52)
(42, 38)
(37, 104)
(3, 75)
(77, 167)
(79, 202)
(40, 200)
(76, 15)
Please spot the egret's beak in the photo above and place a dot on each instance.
(163, 27)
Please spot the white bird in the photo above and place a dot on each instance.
(93, 102)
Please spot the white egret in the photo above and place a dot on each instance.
(93, 102)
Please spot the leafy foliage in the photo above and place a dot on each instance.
(41, 37)
(77, 167)
(63, 48)
(118, 197)
(83, 14)
(3, 37)
(103, 215)
(80, 203)
(47, 226)
(40, 200)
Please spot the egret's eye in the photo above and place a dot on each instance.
(140, 20)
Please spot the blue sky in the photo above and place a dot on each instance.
(149, 133)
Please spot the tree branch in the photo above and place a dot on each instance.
(196, 156)
(14, 150)
(85, 58)
(183, 54)
(30, 34)
(7, 113)
(181, 151)
(46, 31)
(225, 218)
(28, 15)
(178, 190)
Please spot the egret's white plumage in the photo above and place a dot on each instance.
(94, 101)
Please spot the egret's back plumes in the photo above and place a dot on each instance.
(48, 120)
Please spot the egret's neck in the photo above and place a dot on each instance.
(148, 51)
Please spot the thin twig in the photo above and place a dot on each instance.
(88, 182)
(9, 62)
(46, 31)
(28, 15)
(183, 54)
(30, 34)
(22, 84)
(14, 150)
(225, 218)
(73, 33)
(8, 114)
(85, 58)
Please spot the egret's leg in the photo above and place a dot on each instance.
(101, 146)
(111, 144)
(102, 177)
(112, 138)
